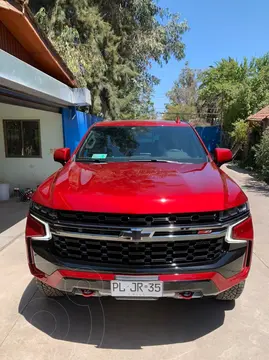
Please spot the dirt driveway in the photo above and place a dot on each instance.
(32, 327)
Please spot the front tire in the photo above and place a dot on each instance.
(47, 290)
(232, 293)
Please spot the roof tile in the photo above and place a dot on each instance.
(260, 115)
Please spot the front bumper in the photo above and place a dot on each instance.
(207, 280)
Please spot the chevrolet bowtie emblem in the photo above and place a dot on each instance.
(134, 234)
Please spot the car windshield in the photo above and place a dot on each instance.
(142, 143)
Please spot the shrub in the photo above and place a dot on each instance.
(262, 156)
(249, 162)
(240, 132)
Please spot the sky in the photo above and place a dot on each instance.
(218, 29)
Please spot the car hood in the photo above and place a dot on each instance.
(139, 188)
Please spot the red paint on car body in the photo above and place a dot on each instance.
(144, 188)
(140, 188)
(221, 282)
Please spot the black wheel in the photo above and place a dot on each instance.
(232, 293)
(48, 290)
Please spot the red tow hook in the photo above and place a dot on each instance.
(87, 293)
(186, 295)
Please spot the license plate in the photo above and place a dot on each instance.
(137, 288)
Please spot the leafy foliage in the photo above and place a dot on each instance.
(224, 91)
(109, 46)
(183, 111)
(184, 90)
(183, 96)
(262, 155)
(240, 132)
(231, 90)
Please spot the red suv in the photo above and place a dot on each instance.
(140, 210)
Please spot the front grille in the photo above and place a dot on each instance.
(133, 241)
(137, 220)
(166, 253)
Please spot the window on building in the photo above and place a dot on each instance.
(22, 138)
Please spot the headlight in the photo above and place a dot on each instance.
(43, 211)
(234, 212)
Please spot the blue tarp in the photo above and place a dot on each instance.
(211, 136)
(75, 125)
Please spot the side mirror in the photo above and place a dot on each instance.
(223, 156)
(62, 155)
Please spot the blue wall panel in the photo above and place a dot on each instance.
(75, 125)
(211, 136)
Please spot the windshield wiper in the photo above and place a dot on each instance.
(93, 160)
(157, 160)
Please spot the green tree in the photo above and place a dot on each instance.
(259, 82)
(240, 132)
(183, 96)
(109, 46)
(224, 91)
(231, 90)
(183, 111)
(262, 156)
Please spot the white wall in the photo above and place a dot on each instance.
(23, 172)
